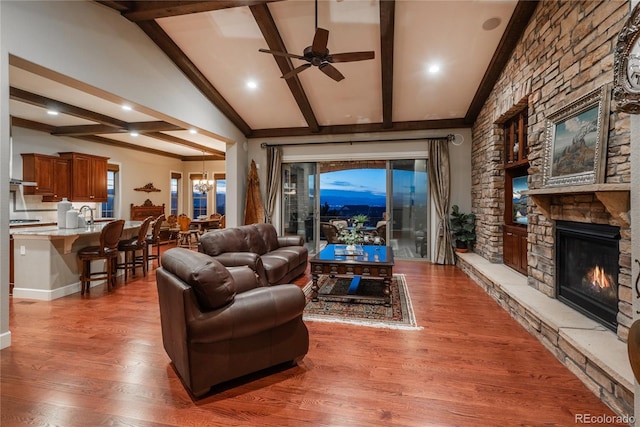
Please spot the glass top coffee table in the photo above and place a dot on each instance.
(368, 261)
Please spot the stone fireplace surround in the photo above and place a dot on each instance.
(595, 354)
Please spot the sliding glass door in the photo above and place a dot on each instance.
(386, 192)
(409, 208)
(299, 210)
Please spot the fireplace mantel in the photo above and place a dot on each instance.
(614, 197)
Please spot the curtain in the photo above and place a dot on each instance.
(274, 160)
(253, 208)
(439, 176)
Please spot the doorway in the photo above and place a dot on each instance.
(393, 192)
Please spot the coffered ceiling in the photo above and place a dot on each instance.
(435, 63)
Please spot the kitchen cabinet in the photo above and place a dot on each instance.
(88, 177)
(61, 180)
(38, 168)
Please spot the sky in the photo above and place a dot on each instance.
(360, 180)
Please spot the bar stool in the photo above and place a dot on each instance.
(131, 246)
(154, 239)
(107, 250)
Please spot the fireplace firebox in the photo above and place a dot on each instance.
(587, 263)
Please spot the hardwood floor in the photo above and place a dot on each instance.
(98, 360)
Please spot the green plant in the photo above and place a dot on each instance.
(463, 228)
(350, 237)
(360, 219)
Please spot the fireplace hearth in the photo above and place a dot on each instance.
(587, 260)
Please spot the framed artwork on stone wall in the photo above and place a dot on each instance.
(576, 141)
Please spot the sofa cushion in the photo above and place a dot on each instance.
(212, 283)
(218, 242)
(269, 236)
(295, 254)
(253, 239)
(275, 267)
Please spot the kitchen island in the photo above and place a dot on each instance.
(46, 264)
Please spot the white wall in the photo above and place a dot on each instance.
(93, 44)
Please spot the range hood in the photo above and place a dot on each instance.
(12, 180)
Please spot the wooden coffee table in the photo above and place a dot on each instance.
(368, 262)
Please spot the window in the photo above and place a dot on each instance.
(175, 192)
(199, 204)
(200, 199)
(107, 209)
(221, 193)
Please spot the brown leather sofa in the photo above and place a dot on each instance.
(275, 259)
(219, 324)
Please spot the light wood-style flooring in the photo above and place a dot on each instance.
(98, 360)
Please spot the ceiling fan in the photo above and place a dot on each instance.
(318, 55)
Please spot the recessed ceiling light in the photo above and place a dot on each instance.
(127, 107)
(491, 24)
(193, 131)
(134, 133)
(252, 84)
(52, 112)
(434, 68)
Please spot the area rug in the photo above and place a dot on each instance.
(331, 308)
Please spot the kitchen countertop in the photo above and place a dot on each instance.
(54, 231)
(68, 235)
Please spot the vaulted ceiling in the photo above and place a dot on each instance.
(435, 64)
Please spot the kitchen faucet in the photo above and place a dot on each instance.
(82, 208)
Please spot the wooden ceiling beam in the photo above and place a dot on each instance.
(363, 128)
(175, 54)
(30, 124)
(61, 107)
(387, 35)
(271, 35)
(179, 141)
(515, 28)
(114, 143)
(148, 10)
(140, 127)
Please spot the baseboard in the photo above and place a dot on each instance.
(5, 340)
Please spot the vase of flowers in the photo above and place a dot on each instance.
(351, 238)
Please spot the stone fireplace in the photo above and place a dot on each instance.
(587, 269)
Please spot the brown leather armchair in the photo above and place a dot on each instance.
(218, 324)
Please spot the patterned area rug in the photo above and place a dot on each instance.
(331, 308)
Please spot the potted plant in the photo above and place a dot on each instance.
(359, 219)
(463, 228)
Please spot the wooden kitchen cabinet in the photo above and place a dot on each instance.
(38, 168)
(88, 177)
(61, 180)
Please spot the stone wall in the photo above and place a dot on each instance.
(566, 52)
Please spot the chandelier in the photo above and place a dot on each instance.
(204, 184)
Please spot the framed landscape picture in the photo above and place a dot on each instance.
(576, 141)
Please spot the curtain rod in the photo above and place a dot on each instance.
(451, 138)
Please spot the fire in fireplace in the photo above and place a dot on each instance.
(587, 260)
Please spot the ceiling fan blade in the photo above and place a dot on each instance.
(296, 71)
(285, 54)
(320, 40)
(331, 71)
(351, 56)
